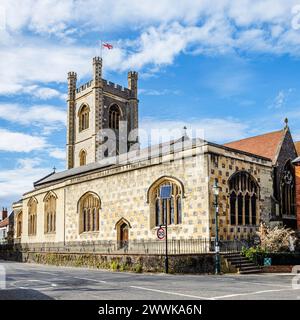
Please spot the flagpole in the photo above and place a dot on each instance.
(101, 49)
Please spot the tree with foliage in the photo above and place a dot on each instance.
(277, 239)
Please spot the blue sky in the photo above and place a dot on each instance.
(229, 67)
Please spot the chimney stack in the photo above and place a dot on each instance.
(4, 213)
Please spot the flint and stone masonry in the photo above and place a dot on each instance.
(124, 195)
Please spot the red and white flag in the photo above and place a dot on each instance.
(107, 45)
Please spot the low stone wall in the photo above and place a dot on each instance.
(278, 269)
(189, 263)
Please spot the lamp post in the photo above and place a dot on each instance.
(166, 195)
(216, 190)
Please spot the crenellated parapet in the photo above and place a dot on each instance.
(104, 102)
(84, 86)
(115, 89)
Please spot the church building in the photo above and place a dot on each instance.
(113, 193)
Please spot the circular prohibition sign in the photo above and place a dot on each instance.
(161, 233)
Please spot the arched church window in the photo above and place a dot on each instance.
(253, 209)
(287, 188)
(84, 114)
(243, 195)
(50, 213)
(233, 208)
(82, 158)
(166, 211)
(19, 224)
(32, 216)
(114, 117)
(89, 208)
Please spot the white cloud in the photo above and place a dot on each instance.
(41, 16)
(38, 115)
(155, 92)
(281, 99)
(161, 33)
(58, 154)
(24, 65)
(45, 16)
(43, 93)
(215, 130)
(20, 142)
(14, 182)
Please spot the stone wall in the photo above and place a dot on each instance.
(196, 263)
(123, 194)
(278, 269)
(222, 164)
(123, 191)
(98, 95)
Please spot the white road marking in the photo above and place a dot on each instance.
(45, 287)
(172, 293)
(251, 293)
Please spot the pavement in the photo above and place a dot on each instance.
(28, 281)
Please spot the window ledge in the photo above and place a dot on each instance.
(89, 232)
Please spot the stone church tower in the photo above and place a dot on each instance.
(95, 106)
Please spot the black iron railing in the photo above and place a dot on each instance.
(175, 246)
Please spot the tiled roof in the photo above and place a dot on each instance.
(162, 148)
(159, 149)
(297, 146)
(265, 145)
(4, 223)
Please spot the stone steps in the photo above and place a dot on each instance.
(242, 264)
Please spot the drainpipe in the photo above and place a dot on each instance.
(296, 163)
(64, 216)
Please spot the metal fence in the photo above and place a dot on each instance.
(182, 246)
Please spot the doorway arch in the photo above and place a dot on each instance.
(122, 227)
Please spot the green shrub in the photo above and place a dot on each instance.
(253, 253)
(124, 267)
(114, 265)
(138, 268)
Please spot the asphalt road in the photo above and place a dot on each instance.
(33, 281)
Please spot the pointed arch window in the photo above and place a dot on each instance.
(19, 224)
(287, 188)
(32, 217)
(233, 208)
(50, 213)
(82, 158)
(84, 117)
(166, 211)
(89, 213)
(114, 117)
(243, 190)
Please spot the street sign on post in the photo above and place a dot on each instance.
(165, 195)
(161, 233)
